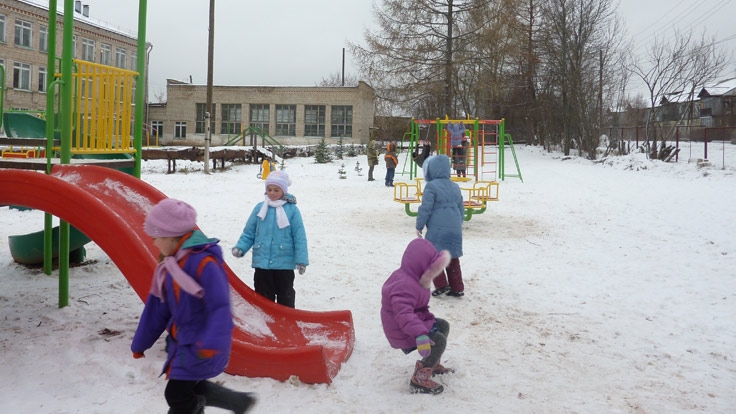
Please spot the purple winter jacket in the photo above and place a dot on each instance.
(200, 330)
(405, 295)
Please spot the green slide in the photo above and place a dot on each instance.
(24, 125)
(28, 248)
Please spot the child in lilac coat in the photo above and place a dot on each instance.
(407, 321)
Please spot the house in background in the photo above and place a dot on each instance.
(718, 104)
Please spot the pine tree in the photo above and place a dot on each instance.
(339, 149)
(322, 153)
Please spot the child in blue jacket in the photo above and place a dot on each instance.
(190, 299)
(276, 233)
(442, 212)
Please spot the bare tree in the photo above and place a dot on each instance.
(578, 41)
(336, 79)
(676, 67)
(411, 59)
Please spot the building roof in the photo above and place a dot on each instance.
(726, 87)
(83, 16)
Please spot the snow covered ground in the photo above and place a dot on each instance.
(591, 287)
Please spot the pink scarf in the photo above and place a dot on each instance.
(171, 264)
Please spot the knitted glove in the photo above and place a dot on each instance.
(138, 355)
(237, 252)
(424, 345)
(301, 268)
(419, 234)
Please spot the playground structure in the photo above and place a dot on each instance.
(484, 160)
(486, 150)
(88, 113)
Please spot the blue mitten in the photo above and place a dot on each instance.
(424, 345)
(237, 252)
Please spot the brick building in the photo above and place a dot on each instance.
(291, 115)
(24, 36)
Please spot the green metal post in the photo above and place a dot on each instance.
(140, 93)
(48, 256)
(66, 110)
(500, 136)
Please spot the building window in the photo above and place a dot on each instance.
(105, 54)
(88, 50)
(286, 120)
(232, 116)
(180, 130)
(74, 46)
(43, 39)
(42, 79)
(342, 121)
(157, 129)
(314, 121)
(22, 76)
(120, 56)
(2, 28)
(260, 114)
(133, 62)
(23, 30)
(199, 122)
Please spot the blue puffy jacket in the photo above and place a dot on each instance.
(200, 330)
(442, 208)
(275, 248)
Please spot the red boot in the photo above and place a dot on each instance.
(421, 381)
(441, 370)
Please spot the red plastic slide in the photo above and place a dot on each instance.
(109, 207)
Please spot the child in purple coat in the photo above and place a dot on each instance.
(190, 299)
(407, 321)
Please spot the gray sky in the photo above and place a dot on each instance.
(300, 42)
(266, 42)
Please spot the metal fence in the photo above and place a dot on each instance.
(716, 145)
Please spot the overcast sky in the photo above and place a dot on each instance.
(298, 43)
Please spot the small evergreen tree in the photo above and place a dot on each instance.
(342, 172)
(322, 153)
(339, 149)
(351, 151)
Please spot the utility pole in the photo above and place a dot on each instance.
(208, 106)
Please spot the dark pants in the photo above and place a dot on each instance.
(452, 276)
(370, 171)
(438, 334)
(276, 285)
(390, 175)
(185, 397)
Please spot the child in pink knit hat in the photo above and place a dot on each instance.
(276, 233)
(190, 299)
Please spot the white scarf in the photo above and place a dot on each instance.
(281, 218)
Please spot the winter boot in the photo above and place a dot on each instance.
(441, 370)
(221, 397)
(421, 381)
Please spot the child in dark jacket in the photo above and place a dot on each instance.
(391, 162)
(407, 321)
(190, 299)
